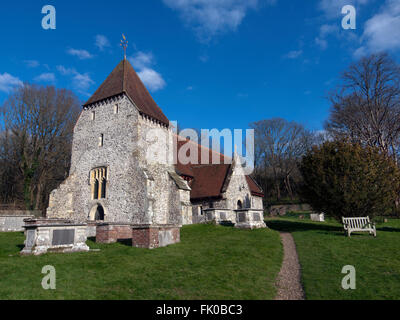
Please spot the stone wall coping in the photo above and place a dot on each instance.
(149, 226)
(113, 224)
(49, 220)
(34, 213)
(248, 209)
(16, 215)
(215, 209)
(47, 225)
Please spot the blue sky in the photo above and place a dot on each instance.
(208, 63)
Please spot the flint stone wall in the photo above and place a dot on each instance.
(13, 223)
(281, 210)
(198, 215)
(139, 191)
(35, 213)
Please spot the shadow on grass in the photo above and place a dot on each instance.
(125, 242)
(388, 229)
(227, 224)
(292, 226)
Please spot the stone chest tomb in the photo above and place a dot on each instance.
(54, 235)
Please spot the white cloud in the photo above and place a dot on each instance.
(328, 29)
(81, 54)
(64, 71)
(80, 81)
(152, 79)
(322, 43)
(382, 31)
(8, 82)
(324, 32)
(46, 77)
(102, 42)
(204, 58)
(294, 54)
(143, 63)
(32, 63)
(213, 17)
(142, 60)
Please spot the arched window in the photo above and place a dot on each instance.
(247, 201)
(96, 190)
(98, 181)
(239, 205)
(103, 188)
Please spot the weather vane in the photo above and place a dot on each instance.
(124, 44)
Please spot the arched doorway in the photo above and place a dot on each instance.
(97, 213)
(239, 205)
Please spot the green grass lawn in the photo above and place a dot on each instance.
(211, 262)
(324, 250)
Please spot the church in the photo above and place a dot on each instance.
(115, 186)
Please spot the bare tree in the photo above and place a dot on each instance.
(36, 141)
(366, 106)
(279, 145)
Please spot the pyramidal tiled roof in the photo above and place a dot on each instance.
(124, 79)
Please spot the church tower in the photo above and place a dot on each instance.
(122, 175)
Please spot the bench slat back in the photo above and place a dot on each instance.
(357, 222)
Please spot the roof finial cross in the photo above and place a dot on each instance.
(124, 44)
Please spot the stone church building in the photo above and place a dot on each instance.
(114, 186)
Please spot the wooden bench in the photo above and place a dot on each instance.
(358, 224)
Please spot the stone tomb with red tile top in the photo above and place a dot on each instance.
(142, 236)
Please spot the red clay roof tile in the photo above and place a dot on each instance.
(208, 180)
(124, 79)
